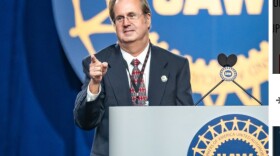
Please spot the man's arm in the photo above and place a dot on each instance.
(88, 114)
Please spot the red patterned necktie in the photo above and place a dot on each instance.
(140, 97)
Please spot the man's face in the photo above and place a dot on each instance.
(130, 23)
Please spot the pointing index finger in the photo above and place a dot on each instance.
(93, 59)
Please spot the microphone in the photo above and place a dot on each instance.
(227, 73)
(225, 61)
(222, 59)
(232, 59)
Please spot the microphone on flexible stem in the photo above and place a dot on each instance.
(222, 60)
(246, 92)
(232, 59)
(209, 92)
(227, 73)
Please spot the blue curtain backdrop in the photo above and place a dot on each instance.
(38, 85)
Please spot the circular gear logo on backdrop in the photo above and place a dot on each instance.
(233, 134)
(196, 29)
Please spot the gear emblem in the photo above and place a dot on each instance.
(247, 135)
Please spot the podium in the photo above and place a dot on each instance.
(188, 130)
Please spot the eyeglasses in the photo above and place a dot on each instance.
(130, 17)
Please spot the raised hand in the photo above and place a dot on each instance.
(97, 70)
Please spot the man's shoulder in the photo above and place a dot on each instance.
(103, 54)
(167, 54)
(107, 50)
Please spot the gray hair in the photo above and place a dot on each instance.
(144, 5)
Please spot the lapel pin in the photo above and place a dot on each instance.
(163, 78)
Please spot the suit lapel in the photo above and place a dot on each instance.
(118, 78)
(157, 71)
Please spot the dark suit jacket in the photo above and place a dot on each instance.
(115, 90)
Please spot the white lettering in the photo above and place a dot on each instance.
(214, 7)
(168, 7)
(254, 7)
(192, 7)
(233, 7)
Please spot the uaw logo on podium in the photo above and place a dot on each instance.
(231, 135)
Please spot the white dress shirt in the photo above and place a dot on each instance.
(128, 58)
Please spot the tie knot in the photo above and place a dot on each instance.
(135, 62)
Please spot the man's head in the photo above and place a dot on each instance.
(144, 5)
(132, 20)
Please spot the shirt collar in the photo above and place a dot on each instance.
(141, 57)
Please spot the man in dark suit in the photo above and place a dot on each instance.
(155, 77)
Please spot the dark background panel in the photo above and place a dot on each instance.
(38, 85)
(276, 141)
(276, 36)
